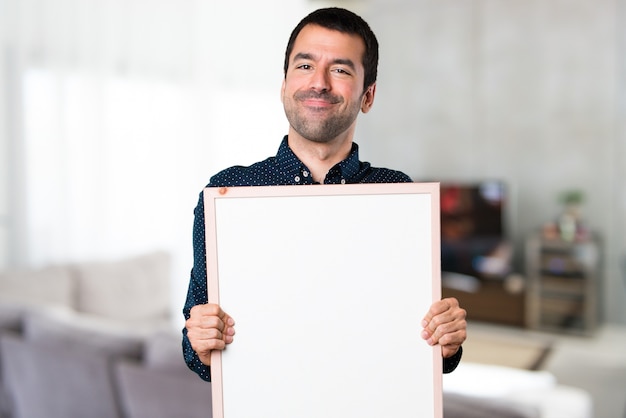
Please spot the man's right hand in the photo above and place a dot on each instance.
(209, 328)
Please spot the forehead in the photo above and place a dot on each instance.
(322, 42)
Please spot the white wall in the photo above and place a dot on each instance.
(119, 113)
(533, 92)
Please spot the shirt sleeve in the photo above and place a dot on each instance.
(450, 363)
(197, 292)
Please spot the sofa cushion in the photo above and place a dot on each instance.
(560, 401)
(11, 316)
(6, 400)
(132, 289)
(150, 393)
(163, 351)
(461, 406)
(69, 329)
(489, 381)
(52, 381)
(53, 285)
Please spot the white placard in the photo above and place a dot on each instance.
(328, 286)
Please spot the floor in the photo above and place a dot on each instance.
(596, 364)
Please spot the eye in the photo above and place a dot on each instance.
(304, 66)
(341, 71)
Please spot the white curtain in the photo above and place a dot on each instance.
(116, 112)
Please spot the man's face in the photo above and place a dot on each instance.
(323, 89)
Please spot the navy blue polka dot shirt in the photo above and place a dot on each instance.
(283, 169)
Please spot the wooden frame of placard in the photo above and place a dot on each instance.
(328, 285)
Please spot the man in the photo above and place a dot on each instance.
(330, 75)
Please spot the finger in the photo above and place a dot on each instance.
(209, 316)
(228, 335)
(206, 346)
(226, 325)
(438, 308)
(216, 310)
(453, 338)
(447, 323)
(203, 323)
(449, 351)
(436, 323)
(209, 309)
(432, 337)
(205, 340)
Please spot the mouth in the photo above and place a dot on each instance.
(317, 103)
(317, 100)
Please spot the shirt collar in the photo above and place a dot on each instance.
(292, 167)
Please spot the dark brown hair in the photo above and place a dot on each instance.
(347, 22)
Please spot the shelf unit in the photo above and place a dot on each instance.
(563, 281)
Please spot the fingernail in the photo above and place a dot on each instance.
(424, 323)
(425, 335)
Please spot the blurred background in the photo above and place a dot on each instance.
(114, 114)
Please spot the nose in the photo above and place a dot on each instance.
(320, 80)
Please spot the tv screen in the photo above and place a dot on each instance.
(473, 238)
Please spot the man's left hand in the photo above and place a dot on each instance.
(445, 324)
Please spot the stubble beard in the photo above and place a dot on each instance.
(318, 128)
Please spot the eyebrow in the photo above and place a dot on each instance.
(340, 61)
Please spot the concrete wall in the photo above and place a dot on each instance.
(528, 91)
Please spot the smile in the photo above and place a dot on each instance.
(317, 103)
(317, 100)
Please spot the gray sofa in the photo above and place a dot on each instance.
(94, 340)
(91, 340)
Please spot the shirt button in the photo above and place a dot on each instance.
(297, 179)
(305, 173)
(343, 181)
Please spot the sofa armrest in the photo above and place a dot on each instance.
(494, 385)
(462, 406)
(154, 393)
(56, 381)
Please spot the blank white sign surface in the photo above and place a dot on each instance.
(328, 286)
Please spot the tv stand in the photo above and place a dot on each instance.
(492, 301)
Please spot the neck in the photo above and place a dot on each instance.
(320, 157)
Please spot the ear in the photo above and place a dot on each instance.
(368, 98)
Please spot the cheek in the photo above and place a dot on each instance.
(287, 92)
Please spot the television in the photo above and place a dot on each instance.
(473, 236)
